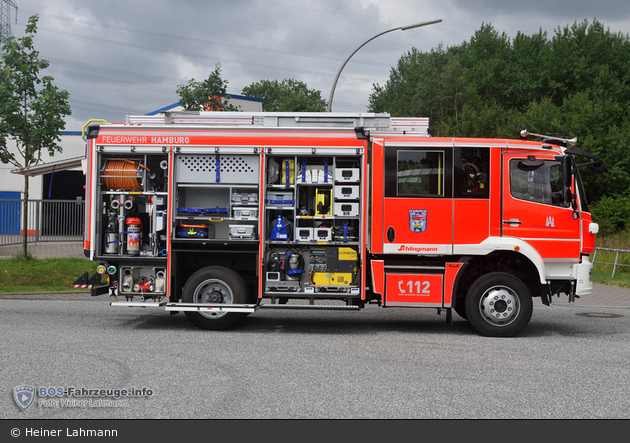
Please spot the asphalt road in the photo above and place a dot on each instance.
(569, 363)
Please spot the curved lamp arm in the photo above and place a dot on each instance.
(402, 28)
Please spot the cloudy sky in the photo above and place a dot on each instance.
(117, 56)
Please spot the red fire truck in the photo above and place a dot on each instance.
(219, 214)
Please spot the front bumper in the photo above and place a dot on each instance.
(583, 271)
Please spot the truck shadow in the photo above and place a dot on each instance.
(371, 321)
(315, 323)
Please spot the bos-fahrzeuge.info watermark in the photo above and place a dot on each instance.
(73, 397)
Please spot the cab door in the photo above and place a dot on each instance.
(471, 196)
(418, 205)
(534, 208)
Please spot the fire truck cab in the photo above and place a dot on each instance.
(220, 214)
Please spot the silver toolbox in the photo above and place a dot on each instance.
(322, 234)
(245, 213)
(346, 209)
(304, 234)
(243, 232)
(347, 175)
(245, 198)
(280, 199)
(346, 192)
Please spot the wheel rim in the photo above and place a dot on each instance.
(499, 306)
(216, 292)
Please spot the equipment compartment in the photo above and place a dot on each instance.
(310, 253)
(142, 281)
(133, 205)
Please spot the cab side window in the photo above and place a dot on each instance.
(539, 184)
(472, 172)
(420, 173)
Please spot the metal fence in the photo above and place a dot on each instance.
(624, 255)
(48, 220)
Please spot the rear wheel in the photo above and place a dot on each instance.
(216, 285)
(498, 305)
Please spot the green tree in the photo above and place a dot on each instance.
(612, 214)
(32, 109)
(423, 84)
(286, 96)
(207, 95)
(574, 84)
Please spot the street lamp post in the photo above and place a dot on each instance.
(402, 28)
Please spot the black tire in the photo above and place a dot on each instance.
(215, 284)
(499, 305)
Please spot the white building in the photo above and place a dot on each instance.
(61, 177)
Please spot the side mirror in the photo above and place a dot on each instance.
(569, 196)
(566, 170)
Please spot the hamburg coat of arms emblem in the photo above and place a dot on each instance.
(418, 220)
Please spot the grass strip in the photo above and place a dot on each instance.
(43, 275)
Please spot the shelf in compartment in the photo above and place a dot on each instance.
(312, 243)
(326, 217)
(280, 208)
(213, 185)
(280, 187)
(211, 220)
(315, 184)
(133, 193)
(323, 294)
(133, 258)
(212, 241)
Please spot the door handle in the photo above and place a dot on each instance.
(391, 234)
(512, 221)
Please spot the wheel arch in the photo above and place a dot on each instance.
(509, 261)
(189, 262)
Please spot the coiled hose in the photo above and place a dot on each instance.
(122, 175)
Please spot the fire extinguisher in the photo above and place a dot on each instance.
(134, 235)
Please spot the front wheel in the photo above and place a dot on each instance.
(499, 305)
(216, 285)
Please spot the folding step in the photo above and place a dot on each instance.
(312, 307)
(139, 304)
(205, 307)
